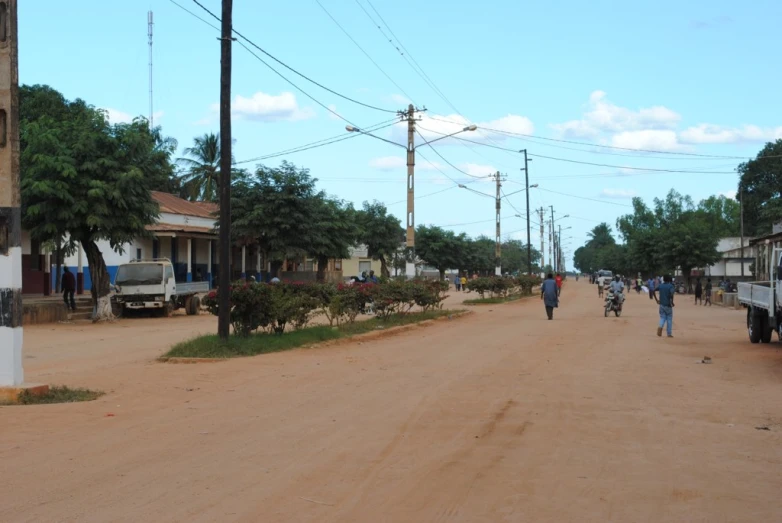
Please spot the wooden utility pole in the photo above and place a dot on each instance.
(11, 372)
(542, 240)
(741, 217)
(224, 297)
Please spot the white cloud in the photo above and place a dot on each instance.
(399, 99)
(657, 140)
(116, 116)
(619, 193)
(731, 195)
(603, 116)
(264, 107)
(432, 127)
(710, 134)
(333, 116)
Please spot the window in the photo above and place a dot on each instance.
(138, 254)
(338, 265)
(169, 272)
(309, 265)
(364, 266)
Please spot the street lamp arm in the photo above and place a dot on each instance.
(351, 129)
(521, 190)
(443, 137)
(462, 186)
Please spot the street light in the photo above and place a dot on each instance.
(410, 114)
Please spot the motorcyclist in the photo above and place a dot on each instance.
(617, 288)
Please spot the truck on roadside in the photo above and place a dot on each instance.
(151, 285)
(763, 299)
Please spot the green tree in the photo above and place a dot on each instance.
(332, 232)
(723, 214)
(381, 232)
(761, 184)
(438, 248)
(201, 162)
(86, 177)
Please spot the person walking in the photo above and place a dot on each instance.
(463, 281)
(650, 284)
(68, 288)
(707, 291)
(666, 292)
(549, 293)
(457, 283)
(698, 292)
(558, 280)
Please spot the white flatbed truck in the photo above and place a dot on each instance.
(151, 285)
(763, 299)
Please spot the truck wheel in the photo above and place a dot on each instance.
(754, 326)
(765, 330)
(165, 312)
(196, 304)
(191, 305)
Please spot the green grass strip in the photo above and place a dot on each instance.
(210, 345)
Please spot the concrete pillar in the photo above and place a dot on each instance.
(11, 372)
(244, 258)
(80, 271)
(47, 273)
(209, 262)
(258, 263)
(189, 260)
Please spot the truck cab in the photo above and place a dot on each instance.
(151, 285)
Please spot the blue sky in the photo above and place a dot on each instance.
(677, 77)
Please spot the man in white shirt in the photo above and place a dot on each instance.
(618, 287)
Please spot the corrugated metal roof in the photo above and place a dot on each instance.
(175, 205)
(167, 227)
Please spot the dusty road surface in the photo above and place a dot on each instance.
(499, 416)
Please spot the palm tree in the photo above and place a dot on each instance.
(601, 236)
(202, 168)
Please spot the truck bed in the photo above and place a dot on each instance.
(756, 294)
(196, 287)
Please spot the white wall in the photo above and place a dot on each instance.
(181, 219)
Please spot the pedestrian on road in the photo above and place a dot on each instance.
(650, 283)
(558, 279)
(457, 283)
(666, 292)
(463, 281)
(698, 292)
(68, 288)
(707, 290)
(549, 293)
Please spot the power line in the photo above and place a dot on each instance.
(444, 159)
(585, 198)
(588, 144)
(626, 167)
(302, 75)
(425, 195)
(313, 145)
(362, 50)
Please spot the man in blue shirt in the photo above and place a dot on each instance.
(650, 284)
(666, 291)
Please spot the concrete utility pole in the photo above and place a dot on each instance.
(542, 240)
(410, 265)
(529, 244)
(552, 249)
(497, 237)
(559, 249)
(149, 34)
(11, 372)
(224, 297)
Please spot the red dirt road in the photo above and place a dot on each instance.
(497, 416)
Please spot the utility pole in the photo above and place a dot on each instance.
(552, 249)
(497, 237)
(741, 214)
(410, 266)
(224, 297)
(11, 372)
(559, 250)
(529, 244)
(542, 240)
(149, 34)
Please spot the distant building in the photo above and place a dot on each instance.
(730, 264)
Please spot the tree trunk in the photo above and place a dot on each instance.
(101, 283)
(384, 268)
(323, 262)
(58, 264)
(442, 274)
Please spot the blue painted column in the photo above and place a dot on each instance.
(209, 262)
(189, 260)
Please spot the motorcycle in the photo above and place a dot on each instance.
(613, 304)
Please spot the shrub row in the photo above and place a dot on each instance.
(503, 286)
(273, 307)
